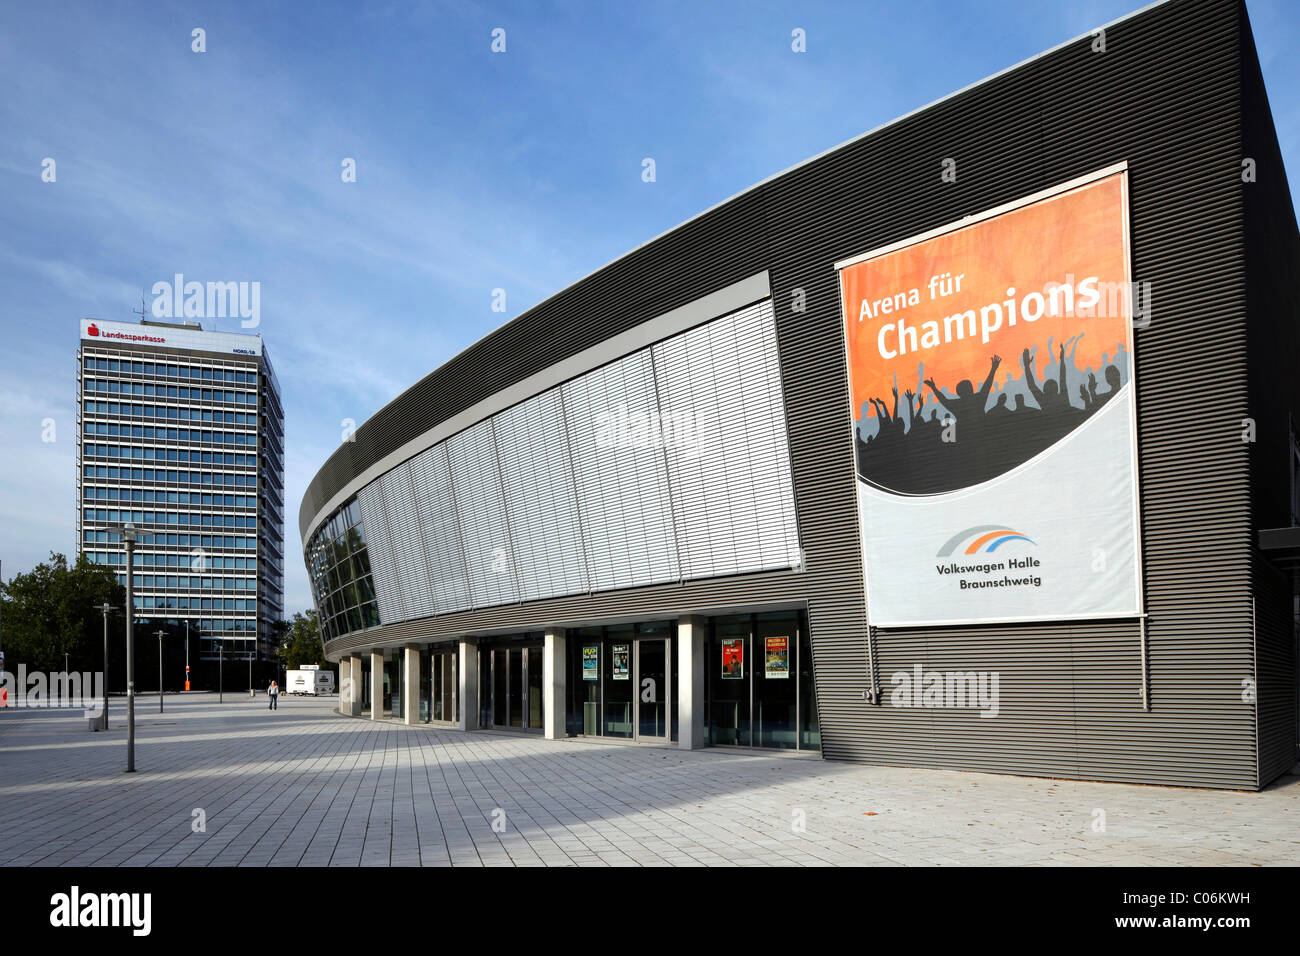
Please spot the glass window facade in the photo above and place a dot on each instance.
(622, 682)
(339, 563)
(150, 454)
(759, 682)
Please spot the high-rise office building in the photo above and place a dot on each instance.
(181, 433)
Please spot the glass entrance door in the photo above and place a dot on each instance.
(444, 686)
(621, 681)
(653, 691)
(515, 685)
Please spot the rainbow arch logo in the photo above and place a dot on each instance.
(982, 539)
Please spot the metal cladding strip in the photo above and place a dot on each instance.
(1166, 97)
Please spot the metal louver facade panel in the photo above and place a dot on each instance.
(480, 508)
(415, 595)
(725, 445)
(602, 489)
(1176, 96)
(380, 549)
(621, 477)
(540, 498)
(440, 528)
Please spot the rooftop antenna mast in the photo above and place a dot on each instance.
(143, 310)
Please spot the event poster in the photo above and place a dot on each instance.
(621, 662)
(733, 658)
(776, 663)
(991, 379)
(591, 662)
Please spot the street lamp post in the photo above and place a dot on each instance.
(103, 717)
(161, 634)
(187, 653)
(129, 534)
(221, 661)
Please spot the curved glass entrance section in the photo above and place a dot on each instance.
(338, 564)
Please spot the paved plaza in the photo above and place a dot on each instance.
(234, 784)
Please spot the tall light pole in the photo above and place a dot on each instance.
(187, 653)
(103, 717)
(221, 661)
(161, 634)
(129, 534)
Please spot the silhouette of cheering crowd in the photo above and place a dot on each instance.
(954, 441)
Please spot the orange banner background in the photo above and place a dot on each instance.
(1078, 232)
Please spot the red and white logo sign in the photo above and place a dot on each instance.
(92, 331)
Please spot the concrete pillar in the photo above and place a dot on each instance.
(690, 682)
(376, 685)
(350, 686)
(468, 689)
(554, 698)
(411, 692)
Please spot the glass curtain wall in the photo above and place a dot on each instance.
(339, 564)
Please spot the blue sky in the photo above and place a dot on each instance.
(475, 171)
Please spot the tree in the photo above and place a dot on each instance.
(53, 610)
(301, 643)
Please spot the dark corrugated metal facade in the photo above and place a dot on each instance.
(1176, 95)
(1273, 310)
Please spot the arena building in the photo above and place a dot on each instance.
(970, 443)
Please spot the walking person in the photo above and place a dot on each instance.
(273, 692)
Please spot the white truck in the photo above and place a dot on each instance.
(311, 681)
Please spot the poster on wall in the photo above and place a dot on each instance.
(733, 658)
(591, 662)
(621, 662)
(990, 367)
(776, 663)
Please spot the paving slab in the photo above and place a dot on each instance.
(231, 783)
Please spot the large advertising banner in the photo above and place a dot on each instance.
(990, 372)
